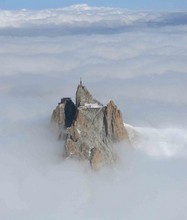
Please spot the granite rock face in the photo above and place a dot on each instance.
(89, 128)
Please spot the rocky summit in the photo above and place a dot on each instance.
(89, 128)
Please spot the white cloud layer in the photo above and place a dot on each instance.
(82, 19)
(138, 59)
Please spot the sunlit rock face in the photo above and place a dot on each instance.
(89, 128)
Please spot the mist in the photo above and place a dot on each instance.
(141, 65)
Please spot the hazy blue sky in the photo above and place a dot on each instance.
(131, 4)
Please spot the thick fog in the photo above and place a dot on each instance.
(137, 59)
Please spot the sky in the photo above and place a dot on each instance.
(138, 60)
(130, 4)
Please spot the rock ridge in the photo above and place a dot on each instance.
(89, 128)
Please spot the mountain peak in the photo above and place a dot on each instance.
(84, 97)
(89, 128)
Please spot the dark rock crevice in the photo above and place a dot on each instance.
(70, 113)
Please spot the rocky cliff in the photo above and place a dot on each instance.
(89, 128)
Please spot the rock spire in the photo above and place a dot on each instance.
(89, 128)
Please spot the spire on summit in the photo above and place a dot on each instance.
(80, 81)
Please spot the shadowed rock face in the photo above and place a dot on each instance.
(89, 128)
(65, 113)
